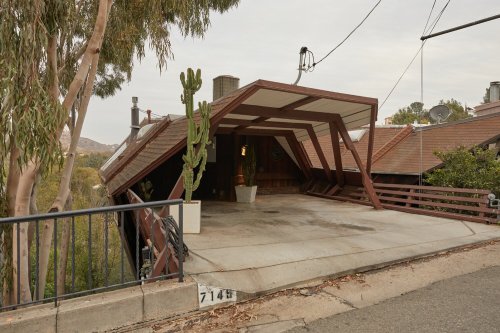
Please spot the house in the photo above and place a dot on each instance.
(306, 140)
(493, 106)
(275, 117)
(402, 153)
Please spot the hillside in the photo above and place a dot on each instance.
(87, 145)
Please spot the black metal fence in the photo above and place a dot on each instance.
(131, 269)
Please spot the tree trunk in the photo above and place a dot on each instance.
(90, 59)
(64, 248)
(12, 184)
(33, 211)
(25, 187)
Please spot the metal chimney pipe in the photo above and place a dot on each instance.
(494, 91)
(134, 124)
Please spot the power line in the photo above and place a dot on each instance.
(433, 25)
(429, 17)
(152, 113)
(349, 35)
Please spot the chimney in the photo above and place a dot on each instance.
(224, 84)
(494, 91)
(134, 124)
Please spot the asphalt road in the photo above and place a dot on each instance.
(468, 303)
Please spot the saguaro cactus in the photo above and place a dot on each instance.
(197, 135)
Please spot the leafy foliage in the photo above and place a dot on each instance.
(408, 115)
(85, 195)
(458, 111)
(467, 168)
(486, 97)
(31, 119)
(416, 112)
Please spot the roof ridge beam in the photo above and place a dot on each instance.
(242, 124)
(299, 103)
(265, 111)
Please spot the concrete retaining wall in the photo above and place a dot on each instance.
(105, 311)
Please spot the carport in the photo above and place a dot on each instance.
(286, 113)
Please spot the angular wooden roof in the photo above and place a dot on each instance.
(397, 149)
(265, 106)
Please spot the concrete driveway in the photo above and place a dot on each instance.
(286, 240)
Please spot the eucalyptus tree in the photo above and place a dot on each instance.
(54, 54)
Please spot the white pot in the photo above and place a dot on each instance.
(245, 193)
(191, 216)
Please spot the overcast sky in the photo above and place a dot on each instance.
(260, 39)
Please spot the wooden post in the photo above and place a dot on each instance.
(367, 182)
(293, 143)
(319, 151)
(337, 155)
(371, 138)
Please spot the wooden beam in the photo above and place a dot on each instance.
(339, 171)
(315, 92)
(254, 121)
(293, 143)
(371, 138)
(242, 124)
(367, 182)
(319, 151)
(178, 189)
(257, 132)
(333, 190)
(265, 111)
(300, 102)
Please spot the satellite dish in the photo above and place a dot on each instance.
(440, 113)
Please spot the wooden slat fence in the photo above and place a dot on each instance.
(456, 203)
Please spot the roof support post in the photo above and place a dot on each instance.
(294, 146)
(319, 151)
(371, 138)
(339, 171)
(367, 182)
(176, 193)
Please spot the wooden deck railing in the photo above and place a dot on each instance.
(456, 203)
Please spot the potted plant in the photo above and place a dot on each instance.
(196, 153)
(247, 192)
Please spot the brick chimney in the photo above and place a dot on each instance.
(224, 84)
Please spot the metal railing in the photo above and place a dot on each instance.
(79, 220)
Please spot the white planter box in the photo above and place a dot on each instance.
(191, 216)
(245, 193)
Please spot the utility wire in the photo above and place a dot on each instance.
(152, 113)
(433, 25)
(429, 17)
(349, 35)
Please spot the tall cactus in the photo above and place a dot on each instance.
(197, 135)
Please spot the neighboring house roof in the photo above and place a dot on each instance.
(262, 106)
(383, 135)
(405, 157)
(397, 149)
(487, 108)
